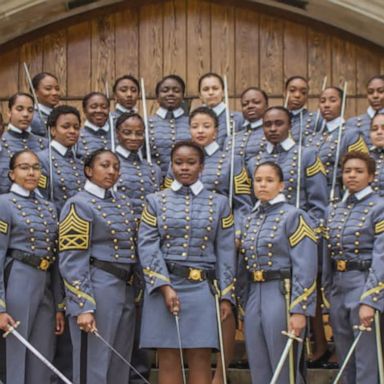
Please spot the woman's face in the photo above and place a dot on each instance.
(253, 105)
(126, 93)
(355, 175)
(170, 94)
(203, 130)
(186, 165)
(266, 183)
(375, 94)
(97, 110)
(211, 91)
(105, 170)
(330, 104)
(297, 93)
(21, 113)
(131, 134)
(67, 130)
(377, 131)
(48, 92)
(26, 172)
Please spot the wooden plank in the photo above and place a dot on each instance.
(127, 42)
(247, 49)
(223, 43)
(175, 38)
(319, 60)
(382, 64)
(103, 53)
(367, 65)
(9, 73)
(79, 59)
(361, 105)
(151, 45)
(271, 55)
(55, 57)
(350, 109)
(31, 53)
(295, 50)
(198, 43)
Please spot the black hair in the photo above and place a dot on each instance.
(62, 110)
(282, 109)
(89, 161)
(368, 160)
(376, 77)
(205, 111)
(40, 76)
(12, 100)
(87, 97)
(210, 74)
(126, 77)
(294, 78)
(273, 165)
(378, 113)
(12, 161)
(126, 116)
(337, 89)
(172, 77)
(190, 144)
(257, 90)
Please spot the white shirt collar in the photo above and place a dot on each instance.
(17, 130)
(295, 112)
(22, 191)
(162, 112)
(254, 124)
(95, 189)
(371, 112)
(60, 147)
(46, 110)
(219, 109)
(122, 109)
(211, 148)
(125, 153)
(334, 124)
(277, 199)
(287, 144)
(95, 128)
(359, 195)
(196, 188)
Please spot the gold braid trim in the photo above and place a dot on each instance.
(303, 230)
(315, 168)
(79, 293)
(242, 183)
(304, 296)
(358, 146)
(148, 218)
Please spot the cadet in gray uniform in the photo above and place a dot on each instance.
(47, 90)
(186, 240)
(96, 132)
(297, 91)
(277, 275)
(67, 168)
(97, 234)
(375, 96)
(376, 150)
(169, 124)
(211, 92)
(354, 271)
(18, 135)
(28, 234)
(126, 91)
(250, 140)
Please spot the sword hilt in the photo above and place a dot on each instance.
(11, 328)
(292, 336)
(362, 328)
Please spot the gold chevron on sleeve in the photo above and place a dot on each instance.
(3, 227)
(242, 183)
(227, 222)
(148, 218)
(74, 232)
(315, 168)
(358, 146)
(303, 297)
(379, 227)
(167, 182)
(303, 230)
(43, 182)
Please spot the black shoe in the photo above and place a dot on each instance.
(322, 362)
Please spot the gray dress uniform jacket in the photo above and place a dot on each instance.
(312, 123)
(378, 181)
(39, 124)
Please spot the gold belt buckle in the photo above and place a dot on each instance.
(195, 274)
(341, 265)
(44, 264)
(258, 276)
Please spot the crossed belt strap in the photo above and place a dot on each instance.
(106, 266)
(39, 262)
(352, 265)
(192, 274)
(260, 275)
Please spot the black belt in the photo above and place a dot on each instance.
(43, 263)
(192, 274)
(107, 266)
(260, 276)
(353, 265)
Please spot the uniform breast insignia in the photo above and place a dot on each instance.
(43, 181)
(227, 222)
(303, 230)
(3, 227)
(242, 183)
(148, 218)
(73, 232)
(359, 146)
(315, 168)
(167, 182)
(379, 227)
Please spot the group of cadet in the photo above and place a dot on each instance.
(269, 217)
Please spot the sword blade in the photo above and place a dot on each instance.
(283, 357)
(180, 348)
(379, 347)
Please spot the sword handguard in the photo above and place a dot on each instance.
(362, 328)
(11, 328)
(292, 336)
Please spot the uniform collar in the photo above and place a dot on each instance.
(95, 189)
(95, 128)
(334, 124)
(125, 153)
(43, 108)
(196, 188)
(162, 112)
(371, 112)
(254, 124)
(287, 144)
(359, 195)
(122, 109)
(18, 130)
(280, 198)
(60, 147)
(219, 109)
(296, 112)
(211, 148)
(19, 190)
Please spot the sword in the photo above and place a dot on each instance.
(110, 121)
(146, 125)
(44, 360)
(361, 329)
(288, 347)
(180, 347)
(379, 347)
(299, 156)
(118, 354)
(318, 109)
